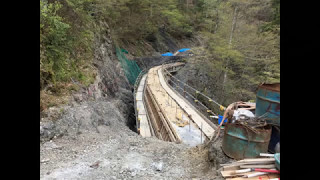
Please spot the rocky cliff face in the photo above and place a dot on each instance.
(108, 99)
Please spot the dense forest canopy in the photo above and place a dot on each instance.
(240, 39)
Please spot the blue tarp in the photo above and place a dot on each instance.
(184, 49)
(167, 54)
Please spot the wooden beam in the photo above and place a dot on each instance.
(257, 160)
(229, 174)
(152, 118)
(263, 177)
(164, 122)
(264, 166)
(229, 168)
(266, 155)
(190, 110)
(247, 163)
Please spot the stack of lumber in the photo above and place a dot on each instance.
(251, 169)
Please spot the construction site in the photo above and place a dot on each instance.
(171, 89)
(174, 134)
(163, 112)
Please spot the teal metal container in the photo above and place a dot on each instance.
(240, 142)
(268, 102)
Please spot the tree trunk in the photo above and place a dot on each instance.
(234, 21)
(217, 22)
(187, 4)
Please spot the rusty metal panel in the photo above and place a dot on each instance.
(241, 142)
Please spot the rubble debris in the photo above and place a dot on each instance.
(95, 165)
(158, 166)
(44, 160)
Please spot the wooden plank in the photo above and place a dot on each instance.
(206, 128)
(153, 99)
(152, 115)
(147, 114)
(152, 120)
(142, 82)
(247, 163)
(266, 155)
(167, 127)
(139, 96)
(228, 174)
(263, 177)
(173, 131)
(257, 160)
(159, 113)
(161, 98)
(164, 70)
(144, 126)
(267, 166)
(157, 107)
(140, 106)
(229, 168)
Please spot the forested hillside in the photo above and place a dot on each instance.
(239, 41)
(241, 49)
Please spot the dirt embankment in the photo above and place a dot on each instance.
(82, 111)
(116, 152)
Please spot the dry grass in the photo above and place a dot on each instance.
(60, 93)
(56, 96)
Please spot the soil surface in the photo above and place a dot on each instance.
(116, 152)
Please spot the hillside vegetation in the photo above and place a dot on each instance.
(241, 49)
(240, 41)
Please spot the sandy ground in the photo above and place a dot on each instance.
(119, 153)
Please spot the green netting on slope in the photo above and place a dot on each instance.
(131, 68)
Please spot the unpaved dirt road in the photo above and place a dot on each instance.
(116, 152)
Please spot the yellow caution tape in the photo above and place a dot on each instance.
(222, 108)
